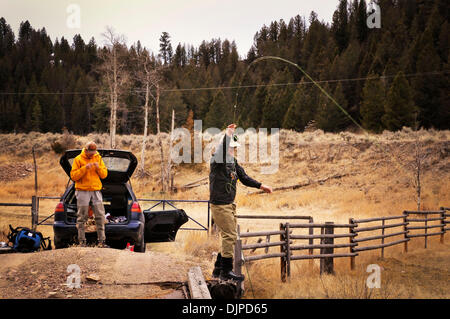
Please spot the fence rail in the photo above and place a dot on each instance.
(382, 237)
(400, 226)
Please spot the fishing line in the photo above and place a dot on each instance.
(397, 161)
(306, 74)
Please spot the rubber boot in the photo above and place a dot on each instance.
(227, 270)
(217, 266)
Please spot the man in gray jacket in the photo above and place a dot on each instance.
(224, 173)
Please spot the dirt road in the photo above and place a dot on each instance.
(104, 273)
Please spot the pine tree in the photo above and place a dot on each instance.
(218, 114)
(339, 26)
(165, 48)
(399, 107)
(427, 87)
(302, 107)
(329, 117)
(372, 105)
(36, 116)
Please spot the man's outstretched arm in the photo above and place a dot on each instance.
(250, 182)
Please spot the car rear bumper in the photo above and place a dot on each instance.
(132, 231)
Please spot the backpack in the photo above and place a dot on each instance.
(26, 240)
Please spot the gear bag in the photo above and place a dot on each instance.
(26, 240)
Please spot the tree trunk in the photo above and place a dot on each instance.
(144, 139)
(113, 117)
(158, 132)
(169, 179)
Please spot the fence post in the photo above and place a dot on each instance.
(426, 229)
(382, 239)
(209, 218)
(34, 212)
(405, 229)
(443, 225)
(326, 264)
(311, 241)
(283, 263)
(238, 258)
(288, 251)
(352, 241)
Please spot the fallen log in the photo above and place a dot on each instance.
(194, 182)
(296, 186)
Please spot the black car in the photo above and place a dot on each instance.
(127, 222)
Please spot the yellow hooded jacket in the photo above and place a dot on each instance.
(88, 179)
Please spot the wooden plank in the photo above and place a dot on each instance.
(301, 247)
(272, 217)
(322, 236)
(425, 212)
(16, 204)
(380, 246)
(423, 219)
(379, 227)
(423, 227)
(197, 285)
(376, 219)
(425, 235)
(266, 256)
(321, 225)
(358, 240)
(300, 257)
(263, 245)
(261, 233)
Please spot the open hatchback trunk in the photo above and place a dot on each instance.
(119, 198)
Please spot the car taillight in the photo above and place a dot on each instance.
(59, 208)
(135, 208)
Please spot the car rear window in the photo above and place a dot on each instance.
(116, 164)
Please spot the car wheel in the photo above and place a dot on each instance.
(59, 243)
(140, 247)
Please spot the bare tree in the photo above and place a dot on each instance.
(115, 75)
(148, 75)
(418, 163)
(412, 161)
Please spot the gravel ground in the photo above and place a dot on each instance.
(104, 273)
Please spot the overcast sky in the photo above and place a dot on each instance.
(187, 21)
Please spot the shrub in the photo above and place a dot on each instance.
(67, 141)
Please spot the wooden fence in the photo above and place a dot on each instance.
(390, 231)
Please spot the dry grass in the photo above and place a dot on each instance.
(420, 273)
(377, 185)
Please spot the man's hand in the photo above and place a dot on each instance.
(96, 165)
(230, 129)
(89, 165)
(267, 189)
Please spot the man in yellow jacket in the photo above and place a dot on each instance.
(87, 170)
